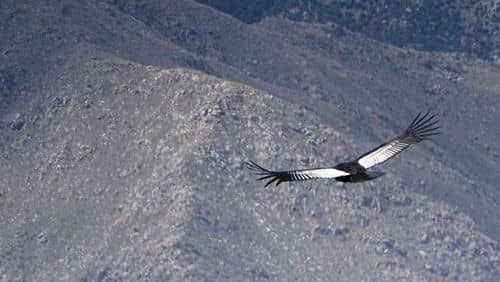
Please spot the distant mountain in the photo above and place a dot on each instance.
(471, 27)
(123, 137)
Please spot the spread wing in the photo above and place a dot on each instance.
(421, 128)
(293, 175)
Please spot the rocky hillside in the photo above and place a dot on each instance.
(471, 27)
(122, 142)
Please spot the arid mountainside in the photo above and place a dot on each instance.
(124, 126)
(471, 27)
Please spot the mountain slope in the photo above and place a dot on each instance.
(121, 162)
(470, 27)
(143, 179)
(349, 78)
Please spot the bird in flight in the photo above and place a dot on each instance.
(420, 129)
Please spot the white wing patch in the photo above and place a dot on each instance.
(420, 129)
(382, 154)
(320, 173)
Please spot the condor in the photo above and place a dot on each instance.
(420, 129)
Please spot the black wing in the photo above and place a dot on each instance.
(421, 128)
(293, 175)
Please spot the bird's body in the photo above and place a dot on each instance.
(421, 128)
(357, 173)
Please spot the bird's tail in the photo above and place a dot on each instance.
(374, 174)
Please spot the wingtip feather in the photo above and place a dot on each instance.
(422, 127)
